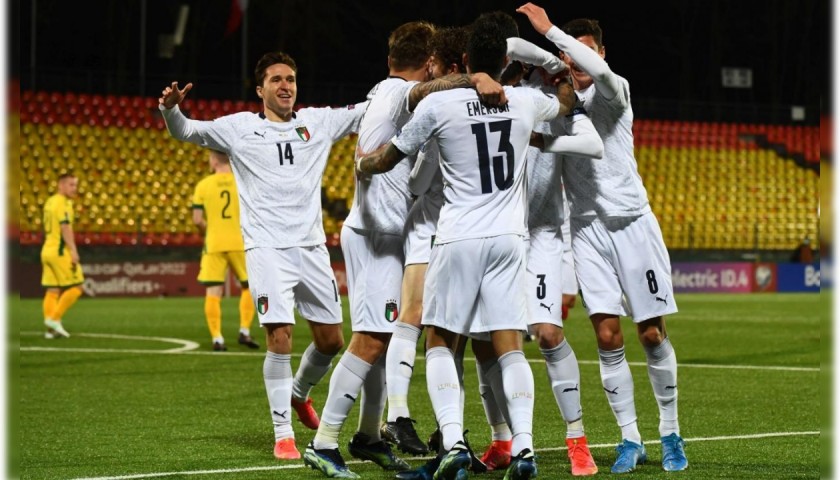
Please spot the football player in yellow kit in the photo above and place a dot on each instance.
(216, 213)
(62, 277)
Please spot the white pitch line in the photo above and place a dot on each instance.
(193, 346)
(296, 466)
(186, 345)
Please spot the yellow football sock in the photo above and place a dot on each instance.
(213, 312)
(50, 301)
(246, 309)
(65, 301)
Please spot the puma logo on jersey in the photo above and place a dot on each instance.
(259, 134)
(547, 307)
(660, 299)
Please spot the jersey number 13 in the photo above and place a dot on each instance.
(502, 181)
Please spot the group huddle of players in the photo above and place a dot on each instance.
(458, 227)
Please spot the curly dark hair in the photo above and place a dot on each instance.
(449, 45)
(409, 46)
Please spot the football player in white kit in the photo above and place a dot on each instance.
(372, 242)
(621, 260)
(546, 274)
(479, 261)
(278, 158)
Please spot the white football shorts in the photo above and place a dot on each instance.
(297, 277)
(477, 285)
(374, 263)
(545, 273)
(622, 262)
(420, 228)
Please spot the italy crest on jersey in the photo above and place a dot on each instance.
(391, 311)
(303, 133)
(262, 304)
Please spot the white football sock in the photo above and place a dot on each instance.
(564, 375)
(277, 374)
(445, 392)
(313, 366)
(399, 366)
(618, 386)
(662, 370)
(373, 401)
(345, 383)
(495, 418)
(519, 389)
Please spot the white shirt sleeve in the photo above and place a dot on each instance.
(526, 52)
(606, 82)
(424, 171)
(418, 130)
(217, 134)
(547, 105)
(581, 138)
(345, 120)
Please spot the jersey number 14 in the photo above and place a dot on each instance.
(502, 181)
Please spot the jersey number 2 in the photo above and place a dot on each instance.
(502, 181)
(226, 195)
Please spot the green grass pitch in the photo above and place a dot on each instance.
(109, 403)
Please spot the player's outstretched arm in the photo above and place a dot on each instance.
(527, 52)
(489, 90)
(172, 95)
(581, 139)
(382, 160)
(589, 61)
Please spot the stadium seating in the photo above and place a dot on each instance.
(712, 185)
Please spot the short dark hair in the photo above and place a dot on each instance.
(449, 45)
(269, 59)
(506, 22)
(65, 176)
(580, 27)
(487, 46)
(409, 46)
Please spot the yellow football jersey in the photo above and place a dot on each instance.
(57, 210)
(217, 196)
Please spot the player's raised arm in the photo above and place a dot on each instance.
(215, 134)
(587, 59)
(526, 52)
(172, 95)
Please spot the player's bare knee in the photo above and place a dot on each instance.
(549, 336)
(651, 332)
(412, 315)
(278, 337)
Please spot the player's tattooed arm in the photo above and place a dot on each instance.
(566, 96)
(488, 89)
(381, 160)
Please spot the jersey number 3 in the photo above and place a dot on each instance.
(502, 181)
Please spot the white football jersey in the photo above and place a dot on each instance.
(611, 186)
(426, 180)
(381, 203)
(278, 167)
(483, 153)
